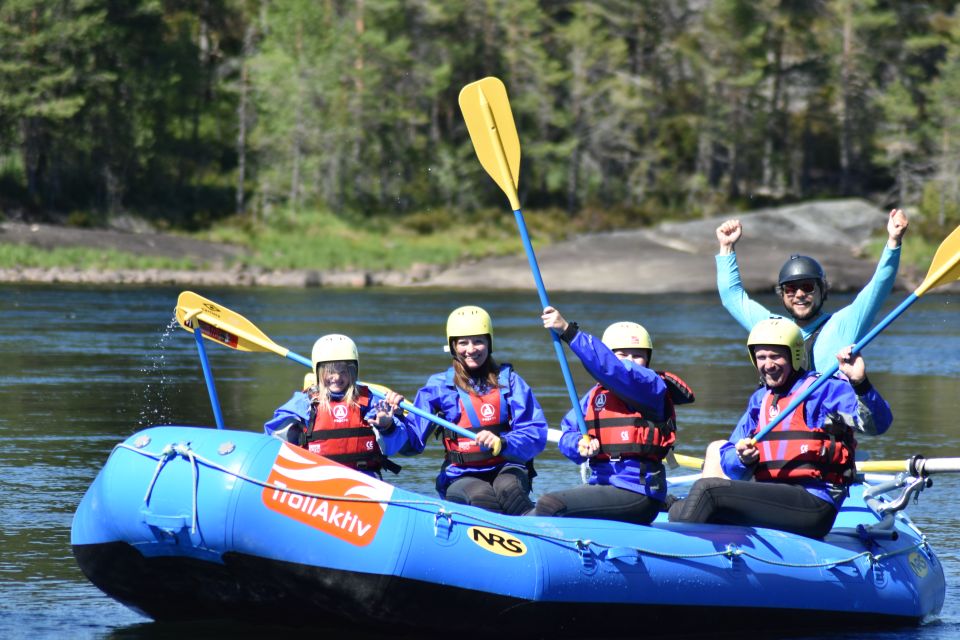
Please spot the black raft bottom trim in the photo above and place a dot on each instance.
(273, 592)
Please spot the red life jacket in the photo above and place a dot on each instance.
(624, 433)
(342, 435)
(487, 412)
(678, 390)
(794, 452)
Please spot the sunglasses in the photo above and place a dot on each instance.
(791, 288)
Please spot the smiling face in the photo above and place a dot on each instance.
(337, 376)
(802, 299)
(773, 364)
(472, 351)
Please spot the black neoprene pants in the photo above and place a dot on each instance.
(756, 504)
(506, 491)
(599, 501)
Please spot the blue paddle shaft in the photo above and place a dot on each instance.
(208, 376)
(404, 405)
(828, 373)
(557, 346)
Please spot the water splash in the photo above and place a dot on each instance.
(153, 400)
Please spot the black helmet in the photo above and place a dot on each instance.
(802, 268)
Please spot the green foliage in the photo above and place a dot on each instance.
(627, 111)
(939, 210)
(916, 250)
(84, 219)
(320, 240)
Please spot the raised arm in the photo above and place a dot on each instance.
(732, 295)
(851, 323)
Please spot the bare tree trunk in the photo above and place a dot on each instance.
(297, 146)
(945, 178)
(734, 187)
(358, 99)
(846, 75)
(770, 179)
(242, 119)
(34, 160)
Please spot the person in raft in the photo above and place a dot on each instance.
(802, 288)
(491, 400)
(631, 425)
(803, 467)
(339, 419)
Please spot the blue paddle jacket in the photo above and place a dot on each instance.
(863, 408)
(391, 441)
(639, 387)
(525, 439)
(840, 328)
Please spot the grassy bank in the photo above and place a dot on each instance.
(23, 256)
(322, 241)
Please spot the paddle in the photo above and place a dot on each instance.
(916, 466)
(207, 373)
(226, 327)
(486, 110)
(944, 268)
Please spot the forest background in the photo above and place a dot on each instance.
(311, 131)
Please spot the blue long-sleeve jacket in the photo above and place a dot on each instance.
(866, 411)
(643, 390)
(392, 441)
(840, 328)
(528, 426)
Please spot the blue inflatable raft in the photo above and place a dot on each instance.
(186, 523)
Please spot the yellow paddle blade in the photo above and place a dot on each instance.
(486, 110)
(688, 462)
(946, 264)
(221, 325)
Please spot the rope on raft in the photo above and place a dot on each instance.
(608, 552)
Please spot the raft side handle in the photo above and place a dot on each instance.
(443, 524)
(587, 558)
(628, 555)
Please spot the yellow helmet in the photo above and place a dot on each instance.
(780, 332)
(333, 347)
(627, 335)
(469, 321)
(309, 380)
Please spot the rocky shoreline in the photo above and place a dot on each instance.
(669, 258)
(217, 277)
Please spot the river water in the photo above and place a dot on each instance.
(82, 368)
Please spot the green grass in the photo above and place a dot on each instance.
(323, 241)
(14, 255)
(320, 240)
(24, 256)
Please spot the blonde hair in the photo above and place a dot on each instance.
(322, 397)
